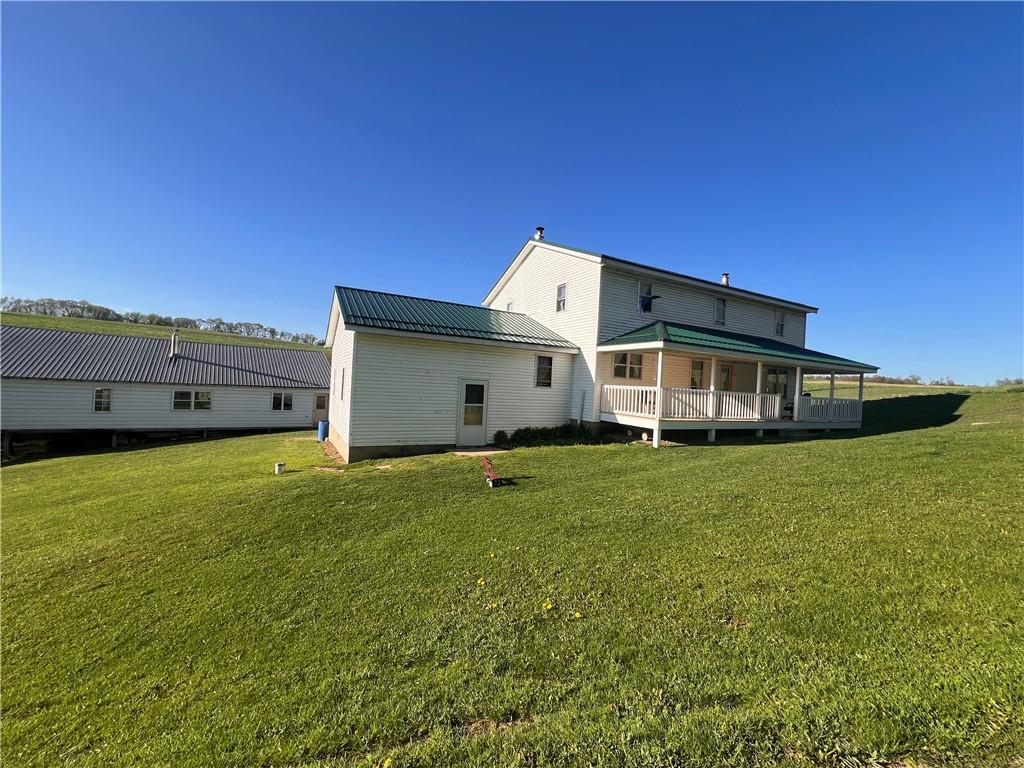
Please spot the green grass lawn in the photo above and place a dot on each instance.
(879, 391)
(137, 329)
(837, 601)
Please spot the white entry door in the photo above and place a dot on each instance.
(472, 412)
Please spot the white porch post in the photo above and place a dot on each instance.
(831, 394)
(796, 394)
(757, 394)
(657, 399)
(711, 397)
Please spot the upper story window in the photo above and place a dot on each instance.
(560, 298)
(780, 323)
(101, 401)
(646, 298)
(508, 307)
(719, 311)
(544, 366)
(628, 365)
(281, 401)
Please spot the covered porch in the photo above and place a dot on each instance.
(666, 377)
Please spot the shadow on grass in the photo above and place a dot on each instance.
(903, 414)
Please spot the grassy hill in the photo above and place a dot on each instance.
(850, 600)
(134, 329)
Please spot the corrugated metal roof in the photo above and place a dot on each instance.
(46, 353)
(728, 341)
(442, 318)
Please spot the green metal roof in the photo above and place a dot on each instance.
(728, 341)
(390, 311)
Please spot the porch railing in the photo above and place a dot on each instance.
(829, 409)
(690, 404)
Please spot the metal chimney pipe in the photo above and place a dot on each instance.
(725, 278)
(174, 344)
(539, 234)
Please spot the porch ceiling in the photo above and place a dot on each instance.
(706, 341)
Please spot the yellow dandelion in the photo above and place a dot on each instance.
(577, 615)
(480, 582)
(491, 606)
(548, 605)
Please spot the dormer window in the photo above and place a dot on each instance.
(719, 311)
(780, 323)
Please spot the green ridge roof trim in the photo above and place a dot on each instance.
(390, 311)
(729, 341)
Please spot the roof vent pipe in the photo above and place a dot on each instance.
(174, 344)
(725, 278)
(539, 234)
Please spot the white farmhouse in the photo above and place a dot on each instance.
(572, 335)
(63, 381)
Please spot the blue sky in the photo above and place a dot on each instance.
(238, 160)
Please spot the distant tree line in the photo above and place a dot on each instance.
(86, 310)
(879, 379)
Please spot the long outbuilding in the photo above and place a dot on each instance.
(62, 381)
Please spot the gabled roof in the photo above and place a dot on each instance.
(389, 311)
(714, 339)
(47, 353)
(614, 261)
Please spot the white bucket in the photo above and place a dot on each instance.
(279, 468)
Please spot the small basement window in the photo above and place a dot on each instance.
(719, 311)
(560, 298)
(101, 401)
(282, 401)
(628, 365)
(780, 323)
(544, 366)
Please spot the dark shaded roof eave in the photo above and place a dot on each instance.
(731, 342)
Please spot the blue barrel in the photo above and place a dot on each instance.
(321, 431)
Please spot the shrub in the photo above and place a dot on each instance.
(567, 434)
(501, 438)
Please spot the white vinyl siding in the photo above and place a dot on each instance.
(33, 404)
(342, 360)
(532, 288)
(684, 304)
(405, 391)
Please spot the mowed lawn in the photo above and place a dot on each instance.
(832, 601)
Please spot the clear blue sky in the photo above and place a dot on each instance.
(238, 160)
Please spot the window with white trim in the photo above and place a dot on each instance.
(628, 365)
(646, 297)
(101, 400)
(189, 400)
(776, 381)
(508, 307)
(545, 364)
(560, 298)
(281, 401)
(697, 374)
(780, 323)
(719, 311)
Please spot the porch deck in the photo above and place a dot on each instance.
(685, 408)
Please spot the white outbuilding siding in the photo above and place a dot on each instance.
(620, 309)
(532, 288)
(405, 391)
(342, 358)
(33, 404)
